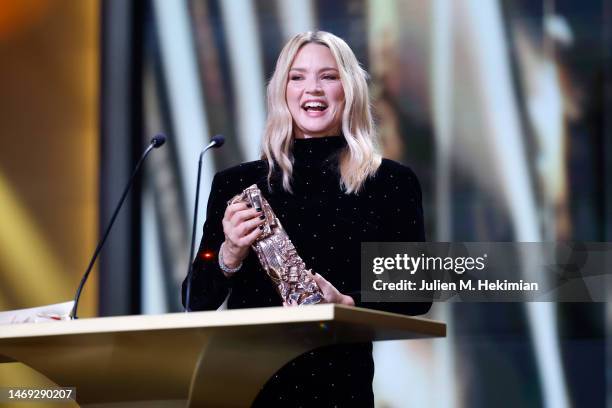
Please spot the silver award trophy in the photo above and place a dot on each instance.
(278, 256)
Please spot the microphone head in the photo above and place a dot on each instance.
(158, 140)
(218, 141)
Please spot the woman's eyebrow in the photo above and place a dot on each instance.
(299, 69)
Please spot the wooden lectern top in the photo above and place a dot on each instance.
(216, 358)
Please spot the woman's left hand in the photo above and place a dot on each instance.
(330, 293)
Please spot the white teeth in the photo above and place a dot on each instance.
(314, 105)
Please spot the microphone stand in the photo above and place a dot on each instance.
(156, 142)
(217, 141)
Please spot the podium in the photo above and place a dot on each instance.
(198, 359)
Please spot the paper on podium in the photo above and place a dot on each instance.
(58, 311)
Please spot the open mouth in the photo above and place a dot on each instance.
(314, 106)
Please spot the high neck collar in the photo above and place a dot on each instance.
(317, 150)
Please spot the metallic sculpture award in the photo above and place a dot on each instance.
(278, 256)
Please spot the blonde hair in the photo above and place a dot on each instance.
(359, 160)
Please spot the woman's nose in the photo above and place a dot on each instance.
(313, 86)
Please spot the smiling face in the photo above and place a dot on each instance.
(315, 96)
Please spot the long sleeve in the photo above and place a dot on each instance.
(403, 221)
(209, 286)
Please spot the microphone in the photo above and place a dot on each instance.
(216, 142)
(158, 140)
(155, 142)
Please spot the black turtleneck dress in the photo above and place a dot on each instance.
(326, 226)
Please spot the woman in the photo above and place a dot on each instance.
(331, 191)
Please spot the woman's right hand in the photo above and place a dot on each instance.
(241, 226)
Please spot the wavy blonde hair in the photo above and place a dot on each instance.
(359, 160)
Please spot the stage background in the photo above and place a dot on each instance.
(49, 143)
(498, 106)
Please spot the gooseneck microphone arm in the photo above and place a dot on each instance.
(216, 142)
(156, 142)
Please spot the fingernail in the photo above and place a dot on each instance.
(261, 227)
(262, 217)
(249, 206)
(258, 209)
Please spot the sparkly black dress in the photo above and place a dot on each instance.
(326, 226)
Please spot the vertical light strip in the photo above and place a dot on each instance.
(163, 189)
(500, 115)
(153, 295)
(248, 80)
(442, 97)
(186, 99)
(296, 16)
(489, 49)
(441, 85)
(383, 30)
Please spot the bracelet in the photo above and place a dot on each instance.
(223, 266)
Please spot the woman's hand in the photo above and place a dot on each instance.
(330, 293)
(241, 226)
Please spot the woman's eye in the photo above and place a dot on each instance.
(330, 77)
(295, 77)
